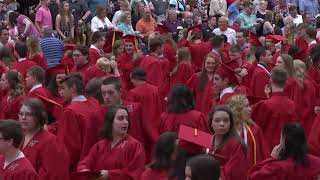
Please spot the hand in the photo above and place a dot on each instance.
(276, 150)
(267, 90)
(256, 24)
(104, 175)
(113, 64)
(80, 21)
(243, 72)
(136, 56)
(190, 36)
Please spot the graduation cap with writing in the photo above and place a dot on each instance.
(196, 28)
(227, 72)
(195, 136)
(86, 175)
(162, 29)
(276, 38)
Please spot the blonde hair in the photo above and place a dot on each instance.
(104, 64)
(300, 68)
(33, 45)
(236, 104)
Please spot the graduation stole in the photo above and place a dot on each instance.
(254, 144)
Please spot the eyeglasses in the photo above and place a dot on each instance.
(27, 114)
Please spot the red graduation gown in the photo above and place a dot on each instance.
(204, 100)
(48, 156)
(169, 52)
(39, 59)
(149, 97)
(193, 118)
(158, 71)
(271, 115)
(256, 148)
(77, 128)
(125, 65)
(314, 137)
(124, 161)
(94, 55)
(23, 66)
(237, 90)
(232, 159)
(198, 52)
(83, 70)
(260, 78)
(274, 169)
(10, 108)
(94, 71)
(44, 92)
(20, 169)
(183, 73)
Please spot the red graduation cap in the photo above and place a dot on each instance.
(86, 175)
(196, 28)
(226, 72)
(162, 29)
(254, 39)
(50, 101)
(195, 136)
(69, 46)
(233, 64)
(276, 38)
(129, 38)
(59, 69)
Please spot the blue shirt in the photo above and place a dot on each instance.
(247, 21)
(52, 49)
(233, 11)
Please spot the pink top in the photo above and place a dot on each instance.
(43, 17)
(21, 26)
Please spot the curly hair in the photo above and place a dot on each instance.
(15, 83)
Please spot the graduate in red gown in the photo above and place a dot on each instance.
(77, 127)
(271, 43)
(48, 156)
(12, 86)
(227, 146)
(20, 51)
(201, 84)
(14, 165)
(183, 71)
(156, 66)
(272, 114)
(149, 97)
(249, 131)
(96, 51)
(118, 156)
(129, 59)
(198, 48)
(34, 53)
(261, 74)
(290, 159)
(111, 89)
(162, 165)
(82, 63)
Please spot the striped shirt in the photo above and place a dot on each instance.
(52, 49)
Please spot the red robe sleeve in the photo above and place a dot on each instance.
(93, 56)
(69, 134)
(266, 170)
(183, 74)
(314, 138)
(258, 83)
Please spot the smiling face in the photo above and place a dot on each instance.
(220, 123)
(210, 64)
(120, 123)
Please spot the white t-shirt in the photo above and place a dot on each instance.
(96, 23)
(298, 20)
(230, 33)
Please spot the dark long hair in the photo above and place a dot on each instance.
(295, 144)
(203, 74)
(106, 130)
(232, 130)
(180, 99)
(163, 150)
(204, 167)
(15, 83)
(37, 109)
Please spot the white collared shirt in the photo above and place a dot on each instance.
(226, 91)
(79, 98)
(35, 87)
(263, 68)
(97, 49)
(6, 163)
(22, 59)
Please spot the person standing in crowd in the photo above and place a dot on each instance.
(43, 17)
(5, 39)
(96, 51)
(25, 26)
(172, 22)
(289, 159)
(48, 156)
(52, 48)
(278, 108)
(64, 22)
(224, 29)
(147, 24)
(217, 7)
(297, 18)
(234, 10)
(248, 19)
(209, 27)
(34, 52)
(202, 167)
(125, 24)
(124, 7)
(100, 22)
(227, 145)
(14, 164)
